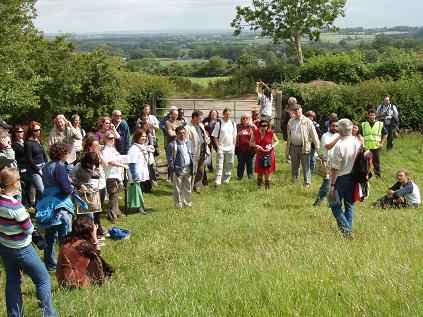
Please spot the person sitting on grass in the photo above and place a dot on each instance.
(80, 264)
(404, 193)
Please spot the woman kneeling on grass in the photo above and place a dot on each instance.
(16, 250)
(80, 264)
(404, 193)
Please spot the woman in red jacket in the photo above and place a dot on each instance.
(265, 142)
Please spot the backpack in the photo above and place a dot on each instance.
(220, 127)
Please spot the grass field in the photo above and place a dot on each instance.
(241, 251)
(335, 38)
(168, 61)
(204, 81)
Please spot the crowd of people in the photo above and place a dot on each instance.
(68, 182)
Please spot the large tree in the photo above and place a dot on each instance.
(289, 19)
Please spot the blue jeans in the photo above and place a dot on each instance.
(52, 235)
(324, 189)
(344, 187)
(37, 183)
(26, 260)
(245, 160)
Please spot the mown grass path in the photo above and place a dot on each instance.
(241, 251)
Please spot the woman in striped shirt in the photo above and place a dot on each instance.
(16, 250)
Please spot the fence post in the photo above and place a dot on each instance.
(279, 110)
(154, 105)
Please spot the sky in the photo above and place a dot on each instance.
(86, 16)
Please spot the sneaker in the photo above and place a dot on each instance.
(226, 181)
(189, 205)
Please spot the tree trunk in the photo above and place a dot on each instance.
(298, 48)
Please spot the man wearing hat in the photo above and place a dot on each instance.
(301, 133)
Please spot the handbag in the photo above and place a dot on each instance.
(266, 160)
(135, 196)
(92, 198)
(321, 168)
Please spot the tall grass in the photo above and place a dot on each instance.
(241, 251)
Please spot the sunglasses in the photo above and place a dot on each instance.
(264, 126)
(36, 130)
(19, 132)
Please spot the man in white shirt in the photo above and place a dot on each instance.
(224, 134)
(342, 182)
(388, 114)
(327, 143)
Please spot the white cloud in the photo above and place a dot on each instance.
(139, 15)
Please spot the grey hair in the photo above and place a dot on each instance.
(116, 112)
(345, 127)
(246, 115)
(292, 101)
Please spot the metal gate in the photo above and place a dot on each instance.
(237, 107)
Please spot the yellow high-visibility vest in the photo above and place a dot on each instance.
(372, 135)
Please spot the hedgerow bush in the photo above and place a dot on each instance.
(353, 101)
(337, 67)
(396, 63)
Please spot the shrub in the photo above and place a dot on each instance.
(337, 67)
(396, 64)
(352, 101)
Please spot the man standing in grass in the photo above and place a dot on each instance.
(200, 149)
(179, 157)
(342, 182)
(327, 143)
(224, 134)
(374, 134)
(301, 134)
(388, 114)
(122, 144)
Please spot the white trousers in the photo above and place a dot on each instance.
(182, 192)
(224, 164)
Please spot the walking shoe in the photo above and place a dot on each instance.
(142, 211)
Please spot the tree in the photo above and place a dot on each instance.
(18, 82)
(289, 19)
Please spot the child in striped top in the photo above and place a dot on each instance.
(15, 224)
(16, 250)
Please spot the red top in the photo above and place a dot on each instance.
(245, 133)
(264, 141)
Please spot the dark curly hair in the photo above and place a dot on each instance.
(82, 228)
(58, 151)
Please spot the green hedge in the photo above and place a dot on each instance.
(353, 101)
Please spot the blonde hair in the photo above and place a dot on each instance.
(406, 173)
(8, 177)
